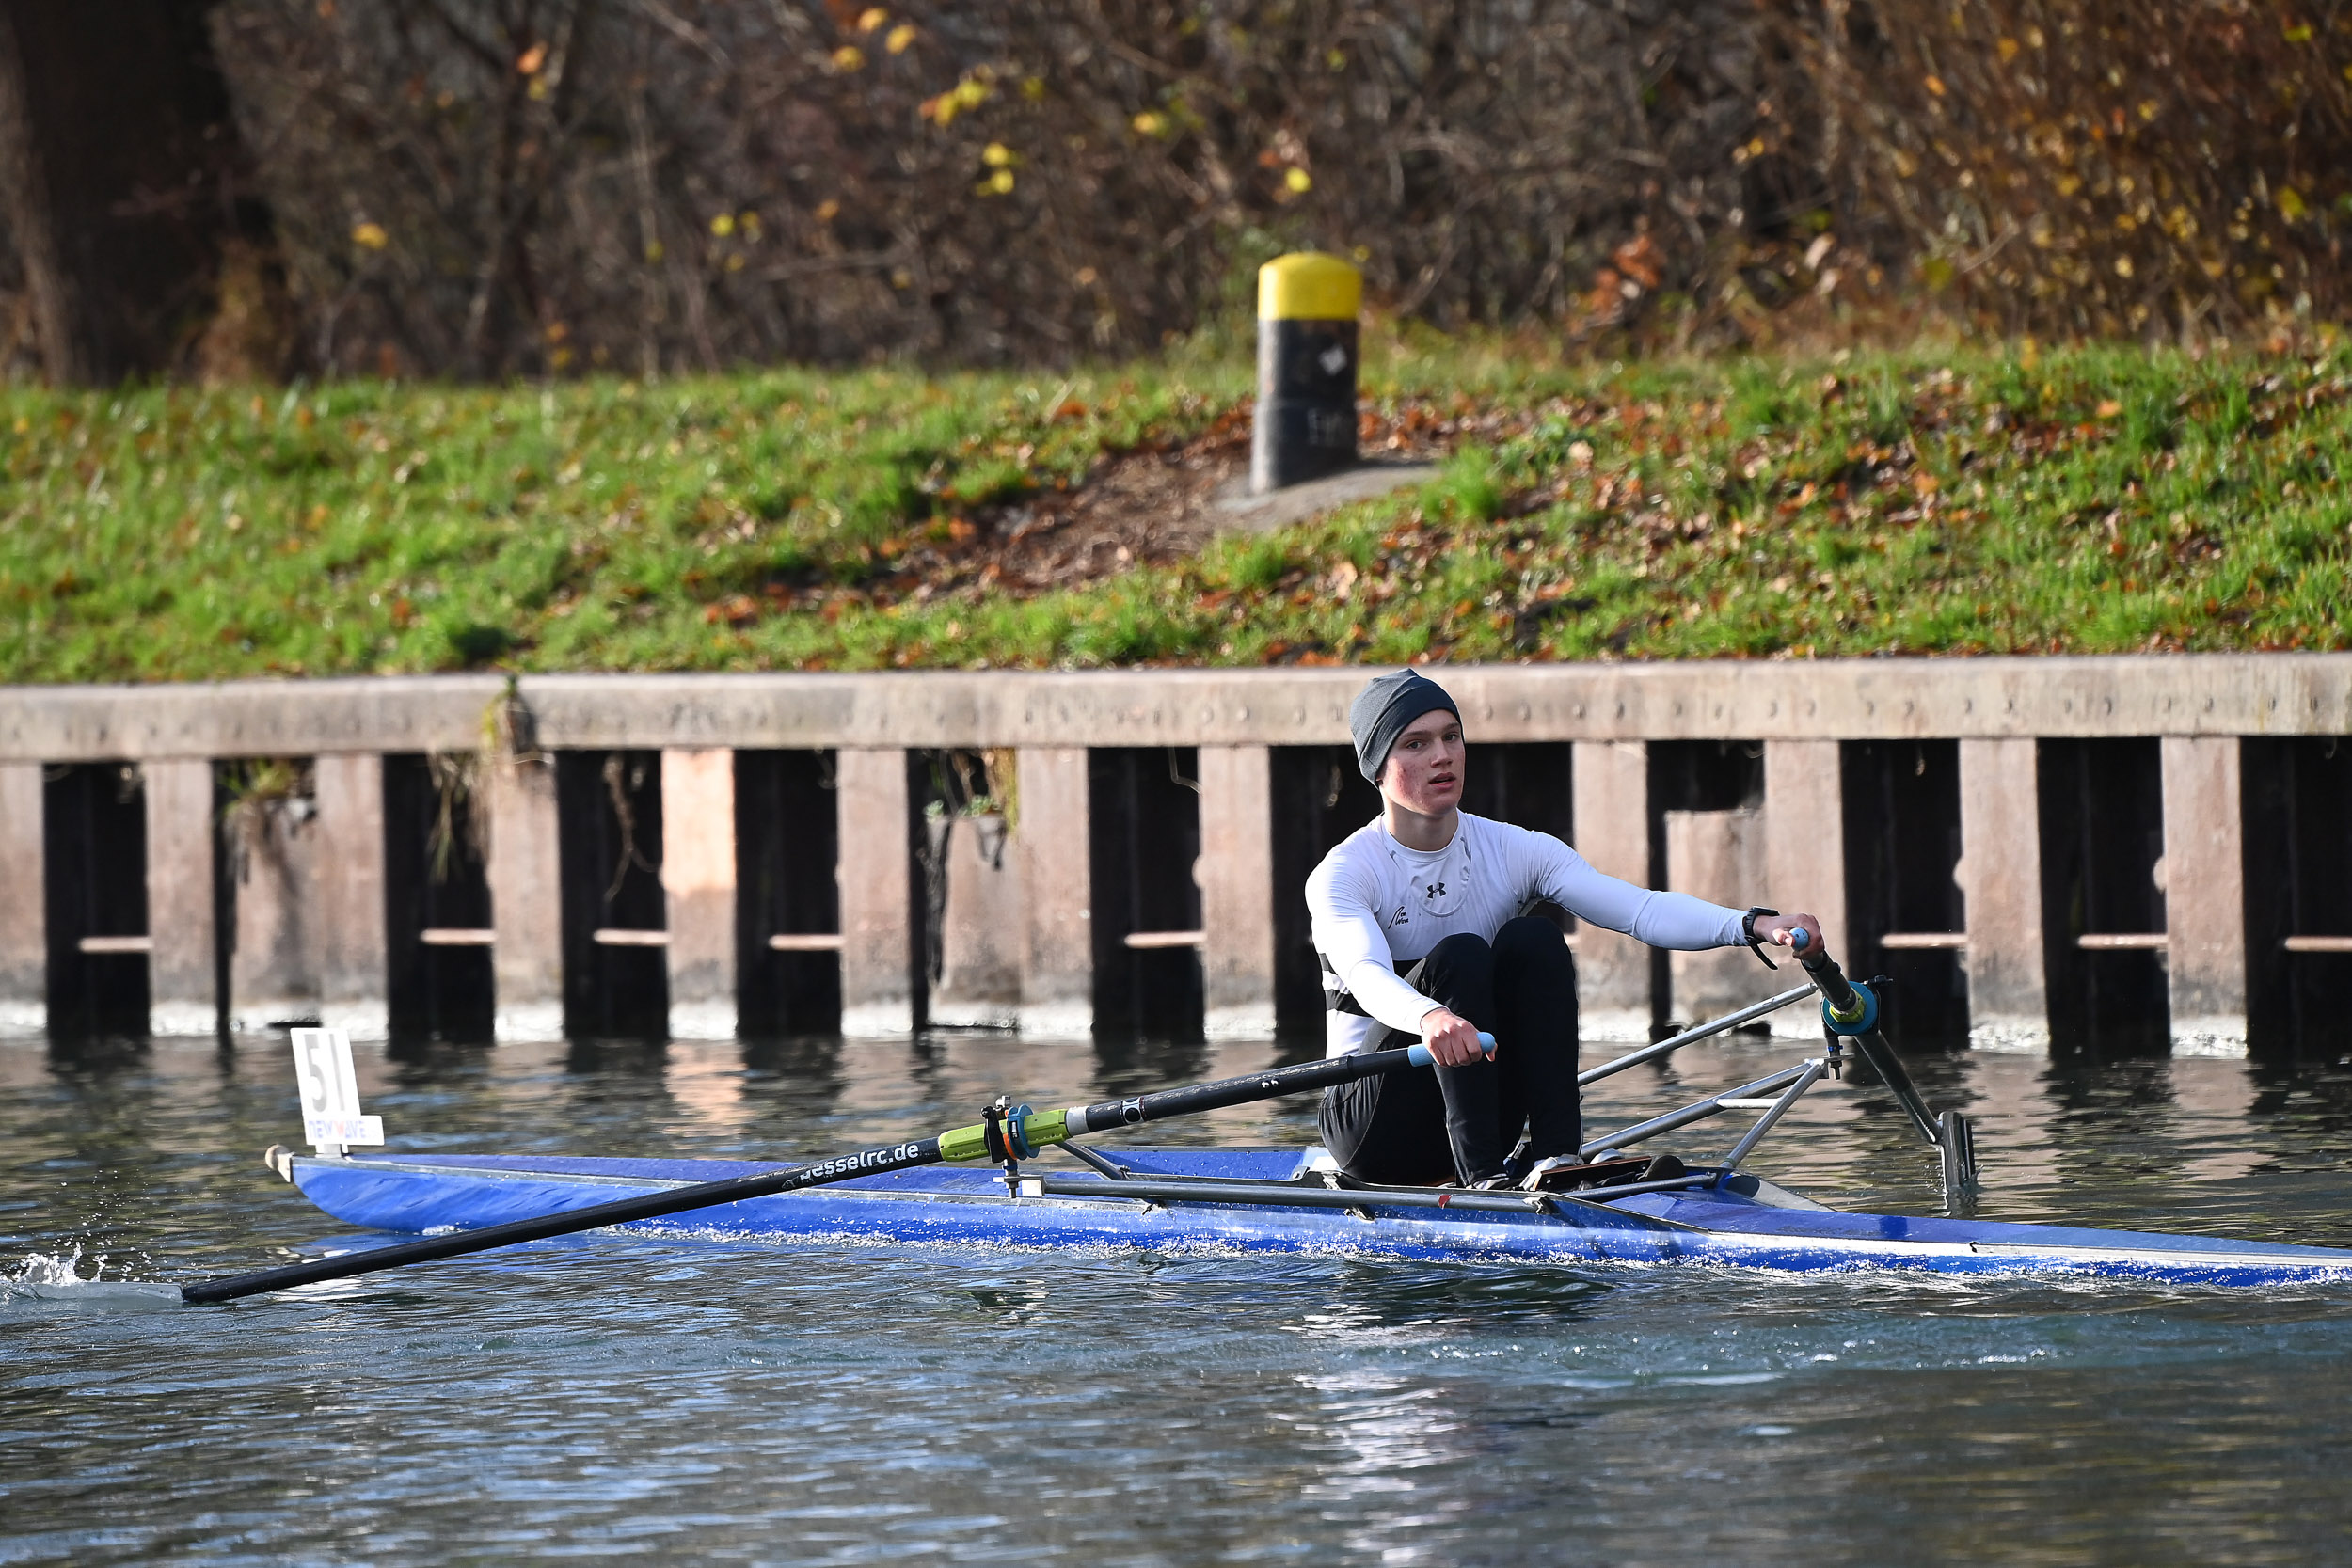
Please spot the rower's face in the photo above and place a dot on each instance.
(1424, 771)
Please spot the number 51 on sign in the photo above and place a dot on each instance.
(330, 1092)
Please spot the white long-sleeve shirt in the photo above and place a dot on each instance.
(1376, 904)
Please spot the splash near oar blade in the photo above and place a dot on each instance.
(1017, 1134)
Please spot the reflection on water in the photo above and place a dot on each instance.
(851, 1403)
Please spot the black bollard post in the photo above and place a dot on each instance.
(1306, 425)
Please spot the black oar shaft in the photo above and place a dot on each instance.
(963, 1143)
(1879, 1053)
(678, 1201)
(1872, 1043)
(1196, 1098)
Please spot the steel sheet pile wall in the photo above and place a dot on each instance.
(1959, 810)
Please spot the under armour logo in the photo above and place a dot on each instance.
(1436, 890)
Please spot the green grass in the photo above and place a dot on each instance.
(1983, 500)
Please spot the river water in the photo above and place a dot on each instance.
(851, 1403)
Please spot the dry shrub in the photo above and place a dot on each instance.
(500, 186)
(2129, 169)
(496, 187)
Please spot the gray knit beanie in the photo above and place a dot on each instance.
(1382, 709)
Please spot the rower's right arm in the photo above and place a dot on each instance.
(1347, 929)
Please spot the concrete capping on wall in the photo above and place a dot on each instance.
(1754, 700)
(245, 719)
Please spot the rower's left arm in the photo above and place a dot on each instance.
(1661, 919)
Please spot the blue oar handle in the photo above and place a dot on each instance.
(1420, 1057)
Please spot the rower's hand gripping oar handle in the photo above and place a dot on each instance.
(1419, 1054)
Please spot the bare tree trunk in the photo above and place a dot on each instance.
(650, 310)
(121, 169)
(24, 196)
(522, 171)
(495, 219)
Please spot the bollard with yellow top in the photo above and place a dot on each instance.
(1306, 307)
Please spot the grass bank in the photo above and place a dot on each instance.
(2095, 499)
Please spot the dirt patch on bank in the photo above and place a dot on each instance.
(1148, 505)
(1143, 506)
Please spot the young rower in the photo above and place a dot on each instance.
(1416, 919)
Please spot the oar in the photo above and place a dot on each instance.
(1019, 1133)
(1850, 1006)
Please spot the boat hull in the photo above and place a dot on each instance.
(1757, 1227)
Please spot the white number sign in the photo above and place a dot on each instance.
(330, 1091)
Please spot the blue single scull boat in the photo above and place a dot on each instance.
(1278, 1200)
(1603, 1206)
